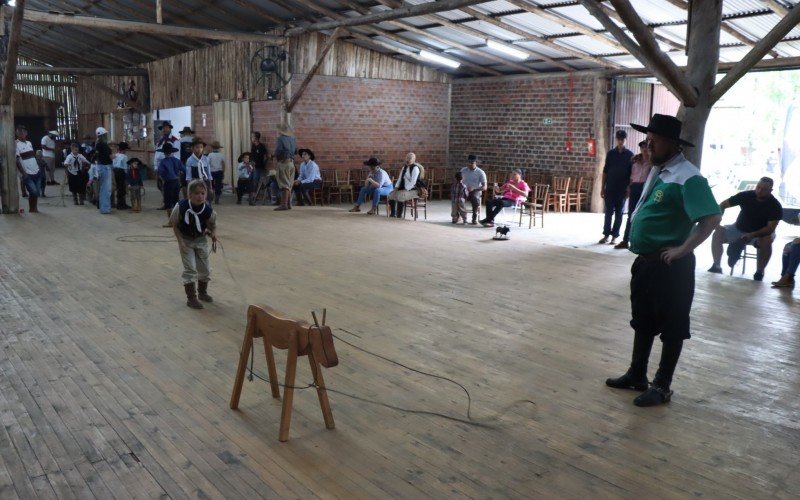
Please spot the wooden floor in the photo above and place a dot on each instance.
(110, 387)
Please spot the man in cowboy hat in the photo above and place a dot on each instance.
(285, 148)
(308, 179)
(216, 164)
(49, 156)
(187, 136)
(614, 187)
(170, 171)
(675, 214)
(166, 137)
(376, 185)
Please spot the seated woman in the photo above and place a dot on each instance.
(308, 179)
(791, 260)
(514, 191)
(405, 188)
(377, 184)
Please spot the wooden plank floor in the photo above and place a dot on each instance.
(110, 387)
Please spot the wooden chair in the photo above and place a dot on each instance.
(574, 196)
(558, 194)
(415, 205)
(328, 180)
(436, 182)
(317, 197)
(341, 186)
(299, 339)
(536, 204)
(586, 186)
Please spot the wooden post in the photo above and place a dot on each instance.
(338, 32)
(701, 72)
(9, 182)
(159, 15)
(601, 99)
(47, 70)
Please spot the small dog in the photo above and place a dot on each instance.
(501, 233)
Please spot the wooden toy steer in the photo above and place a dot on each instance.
(300, 339)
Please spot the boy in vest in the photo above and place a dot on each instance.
(192, 219)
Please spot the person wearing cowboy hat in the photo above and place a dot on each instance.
(377, 184)
(614, 187)
(166, 137)
(675, 214)
(49, 156)
(186, 137)
(197, 164)
(135, 182)
(285, 148)
(120, 168)
(216, 164)
(308, 179)
(171, 171)
(102, 158)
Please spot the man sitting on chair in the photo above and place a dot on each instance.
(475, 180)
(514, 191)
(377, 184)
(758, 218)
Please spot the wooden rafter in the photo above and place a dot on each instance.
(757, 53)
(150, 28)
(776, 7)
(48, 70)
(648, 52)
(338, 32)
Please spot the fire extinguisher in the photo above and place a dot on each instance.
(591, 146)
(568, 146)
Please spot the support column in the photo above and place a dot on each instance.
(9, 182)
(601, 110)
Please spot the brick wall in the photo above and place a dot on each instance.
(503, 122)
(346, 120)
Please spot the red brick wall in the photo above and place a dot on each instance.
(346, 120)
(502, 121)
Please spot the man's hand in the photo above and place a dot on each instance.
(670, 254)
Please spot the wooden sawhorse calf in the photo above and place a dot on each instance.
(300, 339)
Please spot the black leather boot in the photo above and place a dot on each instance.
(202, 291)
(393, 208)
(401, 208)
(191, 296)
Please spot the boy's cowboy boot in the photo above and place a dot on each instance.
(191, 296)
(202, 291)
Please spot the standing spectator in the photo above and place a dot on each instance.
(120, 166)
(186, 137)
(49, 156)
(677, 213)
(77, 167)
(216, 163)
(308, 179)
(243, 173)
(639, 170)
(258, 157)
(285, 148)
(28, 168)
(102, 157)
(170, 171)
(42, 173)
(458, 199)
(475, 180)
(197, 164)
(614, 191)
(135, 183)
(376, 185)
(166, 137)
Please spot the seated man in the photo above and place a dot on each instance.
(309, 178)
(514, 191)
(758, 218)
(376, 185)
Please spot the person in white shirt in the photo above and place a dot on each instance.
(77, 167)
(308, 179)
(28, 167)
(197, 164)
(216, 163)
(49, 156)
(119, 166)
(405, 187)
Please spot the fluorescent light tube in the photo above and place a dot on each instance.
(430, 56)
(506, 49)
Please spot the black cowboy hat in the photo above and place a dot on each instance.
(122, 146)
(166, 123)
(310, 153)
(198, 140)
(472, 158)
(373, 162)
(186, 130)
(134, 159)
(665, 126)
(168, 148)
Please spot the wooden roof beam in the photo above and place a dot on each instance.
(47, 70)
(410, 11)
(776, 7)
(648, 53)
(149, 28)
(756, 54)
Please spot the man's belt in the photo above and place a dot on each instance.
(27, 155)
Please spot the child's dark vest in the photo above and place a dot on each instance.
(190, 229)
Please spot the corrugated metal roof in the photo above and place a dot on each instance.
(92, 47)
